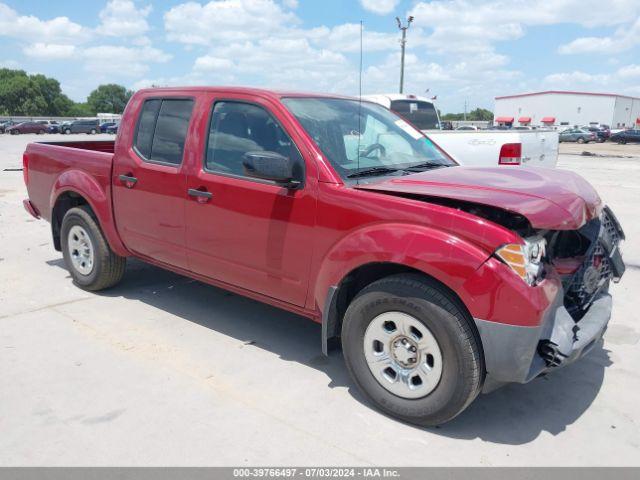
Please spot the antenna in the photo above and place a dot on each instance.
(359, 104)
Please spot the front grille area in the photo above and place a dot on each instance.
(596, 271)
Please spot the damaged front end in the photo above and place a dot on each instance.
(582, 263)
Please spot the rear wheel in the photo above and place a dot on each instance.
(580, 140)
(412, 350)
(92, 132)
(90, 260)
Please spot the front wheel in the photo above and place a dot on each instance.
(412, 350)
(580, 140)
(90, 260)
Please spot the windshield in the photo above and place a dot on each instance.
(422, 115)
(361, 137)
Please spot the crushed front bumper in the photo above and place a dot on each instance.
(520, 354)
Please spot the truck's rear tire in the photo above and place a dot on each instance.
(411, 349)
(90, 260)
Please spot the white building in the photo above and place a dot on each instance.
(567, 108)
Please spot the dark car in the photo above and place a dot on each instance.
(105, 126)
(52, 125)
(5, 124)
(112, 128)
(81, 126)
(602, 134)
(577, 135)
(626, 136)
(27, 127)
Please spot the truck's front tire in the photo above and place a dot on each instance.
(412, 350)
(90, 260)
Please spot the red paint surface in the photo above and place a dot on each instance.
(287, 247)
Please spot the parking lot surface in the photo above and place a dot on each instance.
(163, 370)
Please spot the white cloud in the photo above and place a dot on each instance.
(460, 26)
(629, 71)
(208, 63)
(623, 38)
(58, 30)
(380, 7)
(49, 51)
(122, 18)
(225, 21)
(122, 61)
(290, 3)
(570, 79)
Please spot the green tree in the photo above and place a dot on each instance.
(23, 94)
(110, 98)
(480, 114)
(80, 110)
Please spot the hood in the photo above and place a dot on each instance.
(551, 199)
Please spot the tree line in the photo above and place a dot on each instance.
(479, 114)
(22, 94)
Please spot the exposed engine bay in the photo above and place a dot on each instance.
(586, 260)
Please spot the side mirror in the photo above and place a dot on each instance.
(270, 166)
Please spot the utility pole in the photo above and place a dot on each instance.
(403, 43)
(465, 109)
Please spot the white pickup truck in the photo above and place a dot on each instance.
(475, 148)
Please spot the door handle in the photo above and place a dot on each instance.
(128, 180)
(202, 196)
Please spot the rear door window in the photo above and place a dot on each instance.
(162, 130)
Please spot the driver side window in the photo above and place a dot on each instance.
(237, 128)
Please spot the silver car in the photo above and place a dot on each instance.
(577, 135)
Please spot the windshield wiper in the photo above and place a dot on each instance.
(366, 172)
(423, 166)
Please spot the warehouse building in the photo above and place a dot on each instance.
(560, 108)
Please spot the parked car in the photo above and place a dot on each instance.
(439, 280)
(467, 128)
(81, 126)
(27, 127)
(626, 136)
(113, 128)
(577, 135)
(602, 134)
(52, 125)
(104, 126)
(4, 125)
(484, 148)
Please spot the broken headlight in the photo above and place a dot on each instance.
(525, 259)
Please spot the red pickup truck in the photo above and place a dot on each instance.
(439, 281)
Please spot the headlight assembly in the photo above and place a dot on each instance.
(525, 259)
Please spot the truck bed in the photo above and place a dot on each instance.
(52, 166)
(482, 147)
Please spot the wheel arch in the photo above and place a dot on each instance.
(74, 188)
(339, 297)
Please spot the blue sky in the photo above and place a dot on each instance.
(459, 50)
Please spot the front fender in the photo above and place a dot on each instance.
(439, 254)
(97, 195)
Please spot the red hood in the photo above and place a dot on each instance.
(549, 198)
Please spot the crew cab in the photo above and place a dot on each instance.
(486, 148)
(439, 281)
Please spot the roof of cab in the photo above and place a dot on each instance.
(260, 92)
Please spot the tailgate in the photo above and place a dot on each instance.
(539, 148)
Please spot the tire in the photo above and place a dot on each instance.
(105, 268)
(67, 132)
(92, 132)
(439, 314)
(15, 132)
(581, 140)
